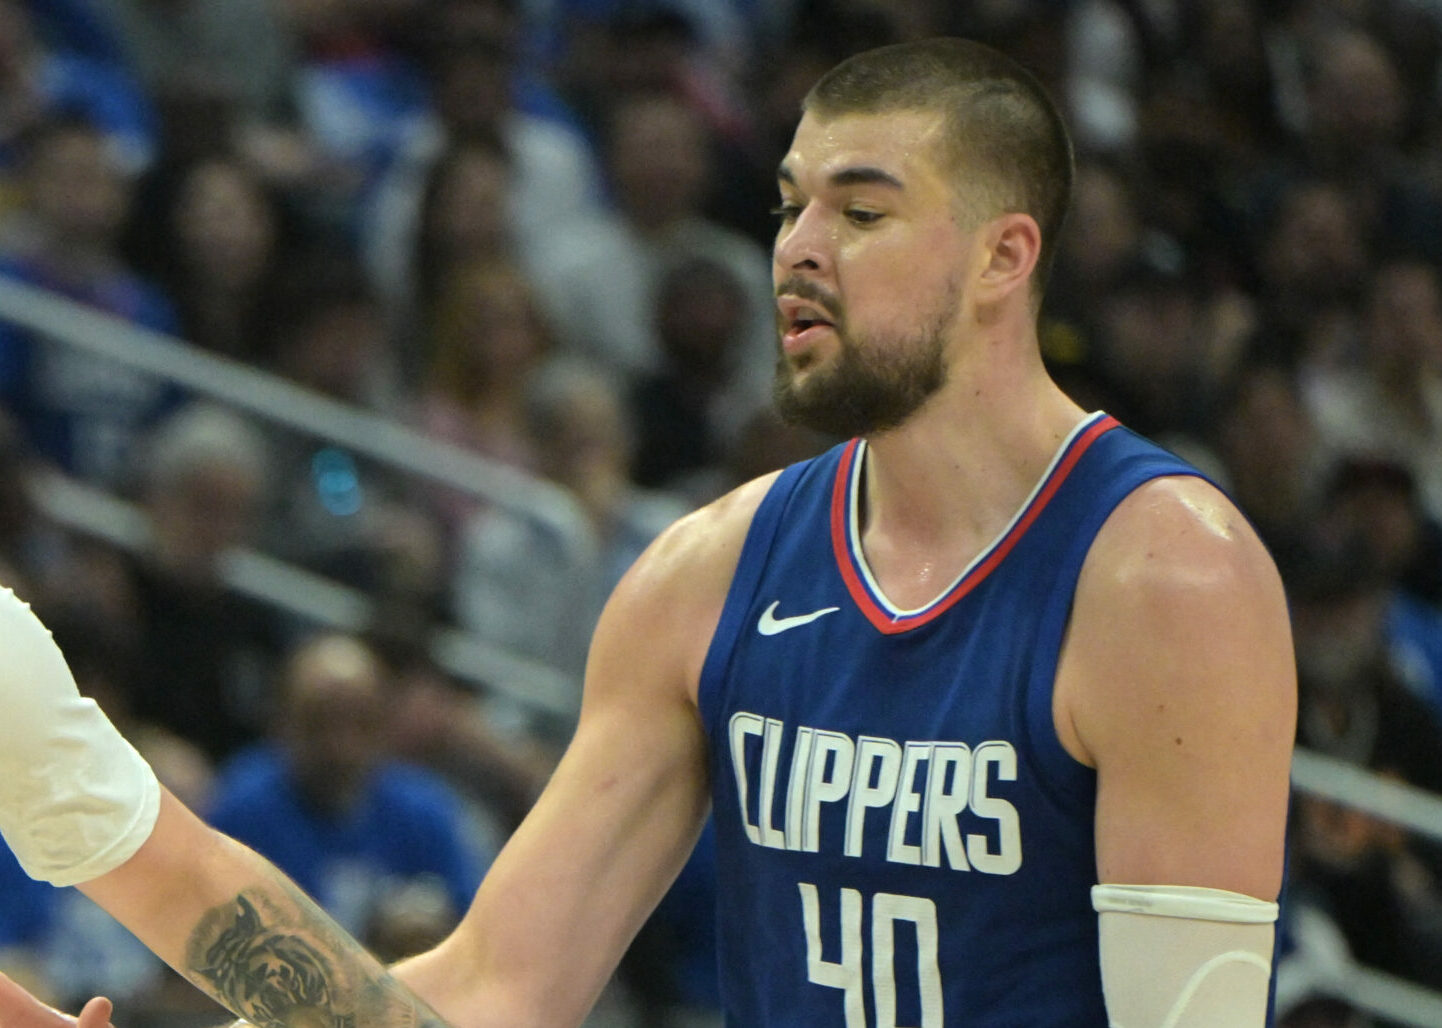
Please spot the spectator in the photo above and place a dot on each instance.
(488, 339)
(215, 235)
(441, 724)
(471, 64)
(207, 651)
(357, 91)
(462, 221)
(40, 84)
(1391, 403)
(242, 54)
(333, 510)
(599, 282)
(225, 75)
(325, 802)
(1372, 505)
(1354, 704)
(1311, 262)
(1268, 446)
(683, 422)
(521, 585)
(82, 413)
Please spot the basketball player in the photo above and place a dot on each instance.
(994, 703)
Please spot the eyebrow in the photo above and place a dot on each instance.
(861, 175)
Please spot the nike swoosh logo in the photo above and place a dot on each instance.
(770, 624)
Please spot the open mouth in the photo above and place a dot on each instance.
(802, 324)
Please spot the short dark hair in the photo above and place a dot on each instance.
(1003, 129)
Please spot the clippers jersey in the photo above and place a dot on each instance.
(902, 840)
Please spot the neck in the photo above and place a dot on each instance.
(942, 486)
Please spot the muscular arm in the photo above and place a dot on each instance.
(78, 806)
(619, 817)
(1178, 685)
(237, 928)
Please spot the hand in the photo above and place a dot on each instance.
(19, 1009)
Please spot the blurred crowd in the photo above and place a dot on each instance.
(538, 230)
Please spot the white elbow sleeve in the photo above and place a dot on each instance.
(1184, 957)
(76, 800)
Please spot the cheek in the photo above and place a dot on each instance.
(894, 291)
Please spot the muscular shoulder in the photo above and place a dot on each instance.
(676, 589)
(1178, 535)
(1177, 593)
(1177, 684)
(703, 546)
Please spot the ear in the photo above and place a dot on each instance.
(1012, 246)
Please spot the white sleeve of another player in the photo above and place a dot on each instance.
(76, 800)
(1177, 956)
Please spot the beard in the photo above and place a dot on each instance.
(874, 384)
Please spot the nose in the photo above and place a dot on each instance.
(802, 244)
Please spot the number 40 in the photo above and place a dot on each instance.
(846, 973)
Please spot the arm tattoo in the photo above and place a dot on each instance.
(296, 971)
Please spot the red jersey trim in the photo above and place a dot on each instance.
(852, 566)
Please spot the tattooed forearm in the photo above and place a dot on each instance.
(295, 968)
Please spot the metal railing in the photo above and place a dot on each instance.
(309, 597)
(55, 318)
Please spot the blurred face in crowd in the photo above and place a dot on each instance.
(333, 720)
(467, 214)
(1150, 334)
(76, 189)
(337, 349)
(700, 318)
(1340, 637)
(1104, 228)
(585, 435)
(1266, 440)
(658, 160)
(473, 86)
(1316, 246)
(1356, 99)
(224, 224)
(1404, 323)
(202, 513)
(488, 330)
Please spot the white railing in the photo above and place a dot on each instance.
(1322, 964)
(382, 439)
(310, 597)
(1401, 804)
(302, 410)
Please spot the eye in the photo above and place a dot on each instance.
(786, 212)
(861, 216)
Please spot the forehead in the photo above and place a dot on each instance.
(904, 145)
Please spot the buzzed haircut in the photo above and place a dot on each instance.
(1005, 140)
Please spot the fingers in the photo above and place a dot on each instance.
(96, 1014)
(19, 1009)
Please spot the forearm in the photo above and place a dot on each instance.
(243, 933)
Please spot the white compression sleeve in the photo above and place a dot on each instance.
(1178, 956)
(76, 800)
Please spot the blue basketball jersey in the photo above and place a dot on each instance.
(902, 839)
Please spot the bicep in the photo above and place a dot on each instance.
(606, 838)
(1180, 680)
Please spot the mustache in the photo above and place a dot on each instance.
(805, 289)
